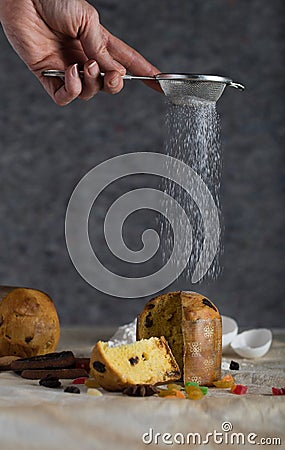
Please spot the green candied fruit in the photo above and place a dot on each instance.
(204, 389)
(191, 383)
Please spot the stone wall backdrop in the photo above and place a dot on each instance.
(46, 150)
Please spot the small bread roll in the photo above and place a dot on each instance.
(29, 324)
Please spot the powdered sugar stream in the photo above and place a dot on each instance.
(192, 136)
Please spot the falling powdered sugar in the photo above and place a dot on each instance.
(193, 137)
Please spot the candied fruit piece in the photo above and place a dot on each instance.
(239, 389)
(226, 382)
(163, 392)
(204, 390)
(174, 386)
(195, 393)
(191, 383)
(94, 392)
(80, 380)
(278, 391)
(175, 393)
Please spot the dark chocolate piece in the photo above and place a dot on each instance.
(37, 374)
(72, 390)
(140, 390)
(50, 382)
(234, 365)
(83, 363)
(48, 361)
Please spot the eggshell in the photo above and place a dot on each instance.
(230, 330)
(252, 343)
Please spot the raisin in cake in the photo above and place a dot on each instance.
(192, 325)
(148, 361)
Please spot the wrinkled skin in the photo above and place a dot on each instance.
(67, 35)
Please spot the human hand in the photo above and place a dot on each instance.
(65, 34)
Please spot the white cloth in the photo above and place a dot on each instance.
(36, 418)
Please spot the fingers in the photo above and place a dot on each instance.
(73, 86)
(113, 55)
(93, 82)
(134, 62)
(62, 91)
(70, 89)
(94, 40)
(113, 82)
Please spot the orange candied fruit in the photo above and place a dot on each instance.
(175, 393)
(226, 382)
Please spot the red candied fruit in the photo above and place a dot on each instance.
(278, 391)
(239, 389)
(80, 380)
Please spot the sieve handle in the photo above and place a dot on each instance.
(61, 74)
(239, 86)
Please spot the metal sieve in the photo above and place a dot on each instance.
(180, 88)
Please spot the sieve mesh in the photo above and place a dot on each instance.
(181, 91)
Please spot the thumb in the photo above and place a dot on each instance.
(94, 40)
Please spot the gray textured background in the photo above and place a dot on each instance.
(45, 150)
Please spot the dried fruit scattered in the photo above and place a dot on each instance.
(80, 380)
(194, 393)
(94, 392)
(140, 390)
(192, 387)
(50, 382)
(175, 393)
(239, 389)
(72, 390)
(278, 391)
(226, 382)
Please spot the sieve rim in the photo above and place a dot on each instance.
(193, 77)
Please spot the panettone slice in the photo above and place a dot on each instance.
(148, 361)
